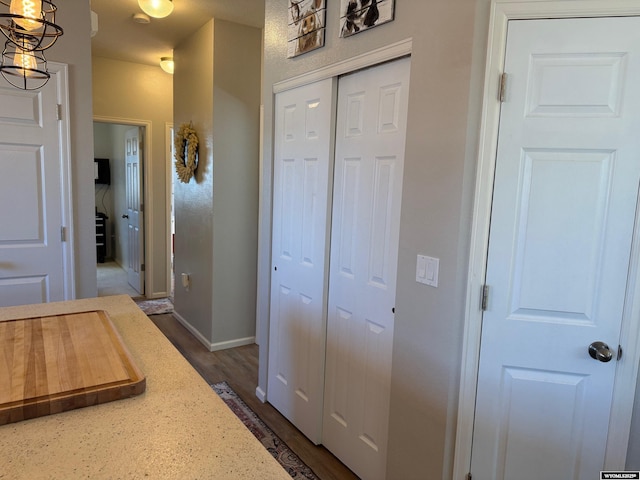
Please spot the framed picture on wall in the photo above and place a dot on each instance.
(306, 26)
(359, 15)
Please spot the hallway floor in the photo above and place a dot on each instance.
(112, 280)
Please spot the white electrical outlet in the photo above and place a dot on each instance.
(186, 280)
(427, 270)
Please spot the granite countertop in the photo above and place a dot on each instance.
(177, 429)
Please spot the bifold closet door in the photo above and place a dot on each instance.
(297, 330)
(369, 158)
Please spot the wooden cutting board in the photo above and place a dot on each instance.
(57, 363)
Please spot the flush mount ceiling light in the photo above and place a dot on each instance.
(24, 68)
(141, 18)
(156, 8)
(34, 19)
(166, 63)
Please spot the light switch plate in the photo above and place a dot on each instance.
(427, 270)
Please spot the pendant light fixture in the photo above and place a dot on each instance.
(24, 68)
(25, 14)
(30, 28)
(156, 8)
(35, 18)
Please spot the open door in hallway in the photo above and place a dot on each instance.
(135, 212)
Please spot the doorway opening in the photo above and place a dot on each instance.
(115, 250)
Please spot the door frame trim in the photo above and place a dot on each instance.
(350, 65)
(147, 186)
(502, 11)
(61, 71)
(168, 139)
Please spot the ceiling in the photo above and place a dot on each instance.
(119, 37)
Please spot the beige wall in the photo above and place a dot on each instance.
(437, 197)
(193, 102)
(135, 92)
(236, 131)
(74, 49)
(217, 88)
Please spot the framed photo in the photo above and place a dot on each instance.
(359, 15)
(306, 26)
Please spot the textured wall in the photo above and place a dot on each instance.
(236, 132)
(217, 88)
(193, 102)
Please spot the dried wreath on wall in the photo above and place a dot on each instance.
(186, 140)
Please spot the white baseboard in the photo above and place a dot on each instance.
(212, 347)
(193, 330)
(238, 342)
(155, 296)
(261, 394)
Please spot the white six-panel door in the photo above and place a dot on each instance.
(302, 166)
(564, 205)
(369, 158)
(134, 214)
(32, 265)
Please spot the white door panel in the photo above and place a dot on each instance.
(134, 215)
(370, 140)
(297, 332)
(32, 268)
(564, 205)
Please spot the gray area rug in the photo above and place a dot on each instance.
(155, 307)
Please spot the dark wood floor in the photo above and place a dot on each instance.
(239, 368)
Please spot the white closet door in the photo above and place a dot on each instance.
(370, 140)
(297, 329)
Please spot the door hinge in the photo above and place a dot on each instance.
(468, 476)
(502, 89)
(59, 111)
(142, 267)
(484, 297)
(63, 234)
